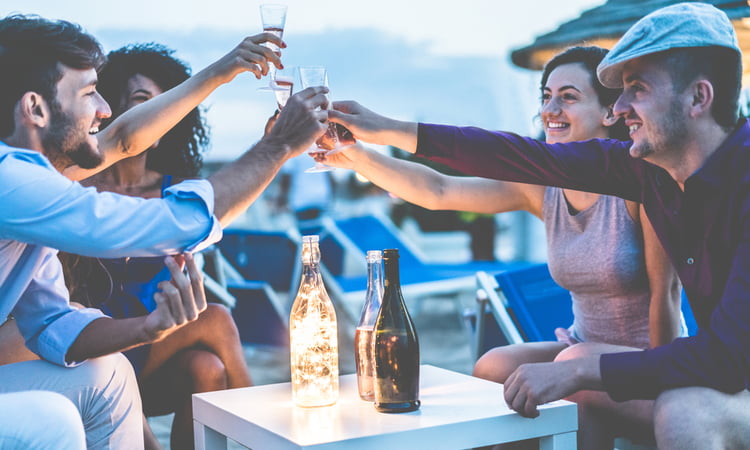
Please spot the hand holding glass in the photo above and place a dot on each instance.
(274, 18)
(336, 133)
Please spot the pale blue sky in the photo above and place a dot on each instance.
(429, 60)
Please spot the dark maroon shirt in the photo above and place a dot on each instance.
(705, 229)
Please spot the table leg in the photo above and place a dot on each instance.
(563, 441)
(207, 438)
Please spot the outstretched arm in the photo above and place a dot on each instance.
(237, 185)
(426, 187)
(370, 127)
(135, 130)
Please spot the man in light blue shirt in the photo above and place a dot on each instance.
(50, 113)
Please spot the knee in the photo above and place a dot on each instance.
(108, 372)
(578, 351)
(220, 320)
(207, 371)
(61, 426)
(496, 365)
(64, 416)
(682, 416)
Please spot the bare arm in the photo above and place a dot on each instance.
(180, 301)
(135, 130)
(426, 187)
(238, 184)
(664, 308)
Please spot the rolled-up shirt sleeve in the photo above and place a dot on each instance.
(44, 316)
(42, 207)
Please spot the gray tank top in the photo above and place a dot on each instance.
(597, 254)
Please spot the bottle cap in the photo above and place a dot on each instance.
(310, 238)
(374, 255)
(390, 253)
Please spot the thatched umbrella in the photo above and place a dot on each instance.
(605, 24)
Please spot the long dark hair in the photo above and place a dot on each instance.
(589, 57)
(180, 150)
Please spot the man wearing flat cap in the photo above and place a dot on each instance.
(689, 164)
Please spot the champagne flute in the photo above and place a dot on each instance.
(285, 84)
(317, 76)
(273, 17)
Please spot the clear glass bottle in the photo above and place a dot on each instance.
(363, 345)
(396, 348)
(313, 335)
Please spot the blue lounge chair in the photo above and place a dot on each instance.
(526, 305)
(345, 242)
(263, 268)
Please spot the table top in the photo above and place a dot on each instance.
(458, 411)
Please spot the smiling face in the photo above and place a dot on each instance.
(139, 89)
(75, 117)
(570, 107)
(654, 113)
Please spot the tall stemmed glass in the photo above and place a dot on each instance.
(285, 86)
(317, 76)
(273, 17)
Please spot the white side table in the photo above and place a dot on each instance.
(458, 411)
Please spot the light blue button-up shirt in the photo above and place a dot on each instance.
(41, 211)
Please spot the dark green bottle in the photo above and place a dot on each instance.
(396, 347)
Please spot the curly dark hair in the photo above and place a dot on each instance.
(30, 49)
(180, 150)
(590, 57)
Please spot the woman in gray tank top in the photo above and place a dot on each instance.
(625, 292)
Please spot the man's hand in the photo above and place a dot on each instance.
(180, 300)
(534, 384)
(301, 121)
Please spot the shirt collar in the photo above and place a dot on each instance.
(714, 171)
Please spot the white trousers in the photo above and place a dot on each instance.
(21, 427)
(103, 390)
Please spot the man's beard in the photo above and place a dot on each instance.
(65, 145)
(671, 131)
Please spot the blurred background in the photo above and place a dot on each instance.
(439, 62)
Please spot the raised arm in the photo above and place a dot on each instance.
(426, 187)
(664, 309)
(138, 128)
(238, 184)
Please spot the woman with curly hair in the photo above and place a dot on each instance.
(205, 355)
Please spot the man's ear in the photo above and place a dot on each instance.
(610, 118)
(33, 110)
(702, 97)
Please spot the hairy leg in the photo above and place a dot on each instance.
(497, 364)
(601, 419)
(702, 418)
(215, 331)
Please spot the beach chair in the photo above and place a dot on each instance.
(262, 270)
(349, 240)
(524, 305)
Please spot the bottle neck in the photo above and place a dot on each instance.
(375, 275)
(392, 280)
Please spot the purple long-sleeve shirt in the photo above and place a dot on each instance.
(705, 230)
